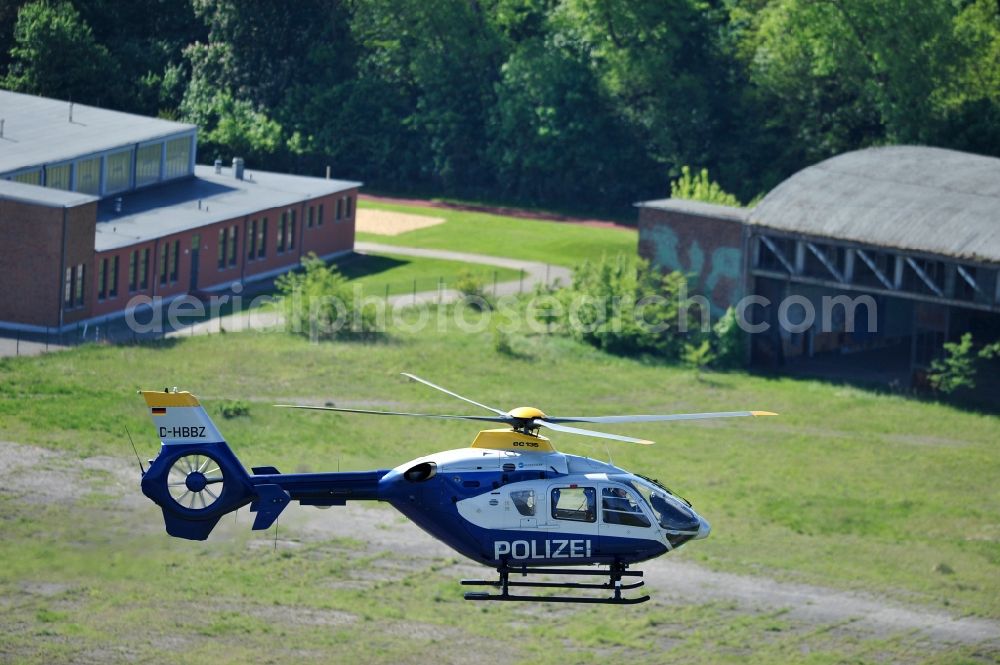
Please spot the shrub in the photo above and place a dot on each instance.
(473, 290)
(700, 188)
(624, 306)
(729, 341)
(956, 369)
(319, 302)
(234, 409)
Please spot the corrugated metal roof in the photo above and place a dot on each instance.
(907, 197)
(43, 196)
(205, 199)
(689, 207)
(37, 130)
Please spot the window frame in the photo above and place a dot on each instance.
(589, 494)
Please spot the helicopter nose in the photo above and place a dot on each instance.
(704, 528)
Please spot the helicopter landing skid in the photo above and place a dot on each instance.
(614, 574)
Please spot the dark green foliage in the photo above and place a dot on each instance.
(55, 55)
(234, 409)
(319, 303)
(578, 104)
(624, 306)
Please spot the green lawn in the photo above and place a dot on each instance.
(403, 274)
(558, 243)
(847, 489)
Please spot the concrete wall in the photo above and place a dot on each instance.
(709, 250)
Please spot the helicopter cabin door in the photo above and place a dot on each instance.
(623, 519)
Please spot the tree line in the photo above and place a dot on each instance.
(577, 104)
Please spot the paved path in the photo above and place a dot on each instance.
(535, 273)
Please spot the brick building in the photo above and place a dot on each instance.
(916, 229)
(97, 207)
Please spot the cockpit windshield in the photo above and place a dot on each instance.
(673, 513)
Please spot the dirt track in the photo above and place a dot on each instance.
(25, 470)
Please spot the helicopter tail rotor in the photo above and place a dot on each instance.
(196, 478)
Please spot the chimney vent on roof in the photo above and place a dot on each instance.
(218, 166)
(238, 168)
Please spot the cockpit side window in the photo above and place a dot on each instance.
(575, 503)
(524, 501)
(619, 506)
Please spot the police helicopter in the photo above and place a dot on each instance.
(510, 501)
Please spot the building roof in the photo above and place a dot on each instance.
(204, 199)
(43, 196)
(699, 208)
(906, 197)
(38, 130)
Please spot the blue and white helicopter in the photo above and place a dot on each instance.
(510, 501)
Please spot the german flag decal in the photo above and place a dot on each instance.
(159, 411)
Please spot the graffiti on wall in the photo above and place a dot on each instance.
(713, 271)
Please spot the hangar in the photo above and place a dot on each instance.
(915, 229)
(98, 207)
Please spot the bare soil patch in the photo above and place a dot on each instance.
(386, 223)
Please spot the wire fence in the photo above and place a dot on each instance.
(116, 328)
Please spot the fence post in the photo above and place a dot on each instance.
(17, 345)
(546, 274)
(520, 285)
(414, 292)
(47, 333)
(494, 283)
(387, 292)
(440, 290)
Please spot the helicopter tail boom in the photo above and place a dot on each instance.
(196, 478)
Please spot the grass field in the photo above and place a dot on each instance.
(558, 243)
(847, 489)
(403, 274)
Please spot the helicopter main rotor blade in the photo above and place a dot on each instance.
(448, 392)
(587, 432)
(392, 413)
(658, 418)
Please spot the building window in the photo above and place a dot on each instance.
(349, 206)
(113, 278)
(232, 245)
(262, 239)
(222, 248)
(319, 217)
(118, 171)
(102, 279)
(147, 164)
(81, 273)
(575, 503)
(59, 177)
(88, 176)
(252, 240)
(282, 222)
(310, 211)
(164, 248)
(175, 264)
(29, 177)
(178, 161)
(144, 270)
(68, 288)
(291, 231)
(132, 270)
(340, 210)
